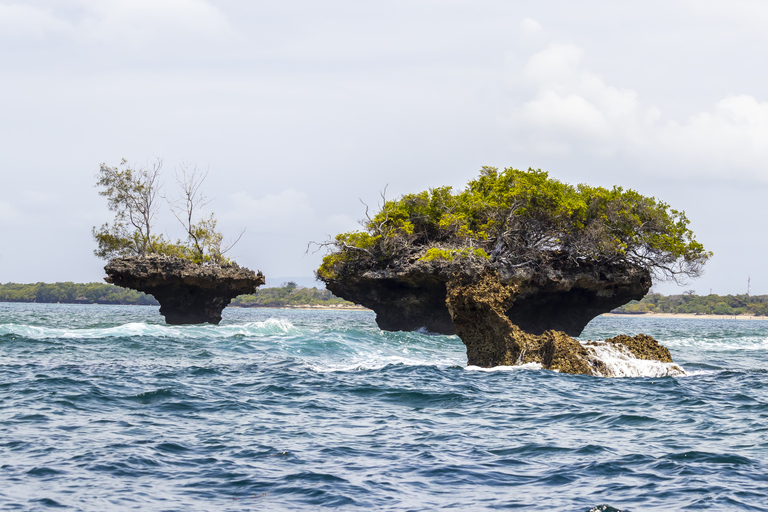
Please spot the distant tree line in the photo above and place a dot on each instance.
(73, 293)
(691, 303)
(289, 294)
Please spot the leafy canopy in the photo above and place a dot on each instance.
(525, 218)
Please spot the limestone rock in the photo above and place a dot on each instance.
(562, 295)
(188, 293)
(478, 312)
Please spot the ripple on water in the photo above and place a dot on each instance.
(110, 409)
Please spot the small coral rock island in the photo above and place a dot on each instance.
(191, 279)
(188, 293)
(515, 264)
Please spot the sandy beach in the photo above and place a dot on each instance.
(341, 307)
(691, 315)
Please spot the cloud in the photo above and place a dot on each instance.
(530, 26)
(577, 106)
(574, 110)
(7, 213)
(272, 212)
(28, 22)
(132, 22)
(144, 17)
(734, 133)
(751, 13)
(557, 66)
(35, 197)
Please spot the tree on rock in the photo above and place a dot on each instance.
(191, 278)
(523, 219)
(134, 196)
(569, 252)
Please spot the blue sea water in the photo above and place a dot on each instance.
(107, 408)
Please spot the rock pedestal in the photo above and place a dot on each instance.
(478, 312)
(188, 293)
(564, 296)
(507, 315)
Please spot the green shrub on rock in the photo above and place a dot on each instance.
(522, 218)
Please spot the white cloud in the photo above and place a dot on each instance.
(557, 66)
(735, 132)
(530, 26)
(573, 109)
(272, 212)
(144, 17)
(125, 21)
(36, 197)
(28, 22)
(573, 103)
(752, 13)
(7, 212)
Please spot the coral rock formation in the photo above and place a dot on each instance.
(188, 293)
(563, 296)
(478, 312)
(506, 315)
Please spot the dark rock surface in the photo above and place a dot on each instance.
(188, 293)
(509, 315)
(563, 296)
(478, 312)
(401, 302)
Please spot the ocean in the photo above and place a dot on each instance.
(107, 408)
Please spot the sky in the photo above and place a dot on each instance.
(303, 112)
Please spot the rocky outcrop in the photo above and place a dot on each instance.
(562, 296)
(478, 310)
(508, 315)
(188, 293)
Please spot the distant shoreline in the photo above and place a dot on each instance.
(341, 307)
(686, 315)
(355, 307)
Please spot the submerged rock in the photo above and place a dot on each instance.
(188, 293)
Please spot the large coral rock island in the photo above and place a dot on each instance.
(188, 293)
(515, 264)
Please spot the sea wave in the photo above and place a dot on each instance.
(269, 327)
(620, 362)
(287, 410)
(721, 344)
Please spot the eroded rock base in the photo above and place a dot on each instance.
(478, 312)
(188, 293)
(563, 295)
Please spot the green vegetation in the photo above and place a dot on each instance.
(133, 194)
(289, 294)
(523, 218)
(699, 304)
(73, 293)
(436, 253)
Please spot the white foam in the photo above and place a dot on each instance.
(752, 343)
(620, 362)
(268, 327)
(526, 366)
